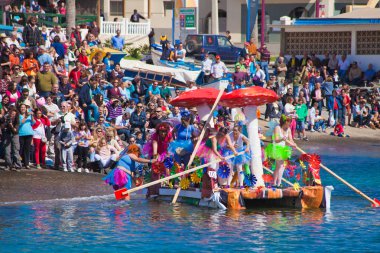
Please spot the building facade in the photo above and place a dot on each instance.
(232, 13)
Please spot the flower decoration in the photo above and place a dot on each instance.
(197, 161)
(302, 164)
(170, 185)
(224, 170)
(138, 181)
(296, 186)
(177, 168)
(194, 178)
(184, 183)
(158, 167)
(314, 161)
(267, 178)
(168, 162)
(250, 180)
(304, 157)
(267, 163)
(200, 173)
(259, 189)
(298, 176)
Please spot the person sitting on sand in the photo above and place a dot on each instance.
(339, 130)
(320, 123)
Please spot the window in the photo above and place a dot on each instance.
(209, 40)
(223, 42)
(117, 7)
(168, 7)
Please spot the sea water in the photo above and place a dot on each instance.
(101, 224)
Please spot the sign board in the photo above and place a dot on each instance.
(187, 18)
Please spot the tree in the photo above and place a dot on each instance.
(70, 15)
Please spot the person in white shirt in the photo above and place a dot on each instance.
(123, 126)
(57, 32)
(206, 68)
(13, 40)
(180, 53)
(343, 65)
(218, 69)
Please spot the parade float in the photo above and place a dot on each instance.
(195, 184)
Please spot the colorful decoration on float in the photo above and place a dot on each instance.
(200, 173)
(296, 186)
(168, 162)
(158, 168)
(194, 178)
(267, 178)
(224, 170)
(184, 183)
(250, 179)
(314, 162)
(138, 181)
(197, 161)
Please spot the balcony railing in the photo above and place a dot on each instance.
(125, 26)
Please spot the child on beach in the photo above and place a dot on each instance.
(339, 130)
(66, 139)
(301, 112)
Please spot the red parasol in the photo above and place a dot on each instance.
(254, 95)
(194, 98)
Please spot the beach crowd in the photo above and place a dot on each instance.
(63, 102)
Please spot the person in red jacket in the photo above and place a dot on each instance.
(339, 130)
(40, 137)
(82, 58)
(75, 74)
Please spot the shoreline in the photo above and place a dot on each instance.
(47, 184)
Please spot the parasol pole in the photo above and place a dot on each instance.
(373, 201)
(200, 137)
(125, 193)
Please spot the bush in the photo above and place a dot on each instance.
(134, 52)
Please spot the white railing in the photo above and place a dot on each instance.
(125, 26)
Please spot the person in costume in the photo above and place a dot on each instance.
(278, 150)
(240, 143)
(217, 147)
(184, 133)
(157, 146)
(122, 175)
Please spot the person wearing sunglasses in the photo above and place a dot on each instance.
(138, 118)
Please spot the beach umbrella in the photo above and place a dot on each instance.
(250, 98)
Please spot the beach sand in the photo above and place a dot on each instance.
(29, 185)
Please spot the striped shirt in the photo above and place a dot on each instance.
(113, 113)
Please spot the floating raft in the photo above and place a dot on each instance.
(305, 197)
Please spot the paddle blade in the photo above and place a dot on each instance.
(121, 194)
(377, 203)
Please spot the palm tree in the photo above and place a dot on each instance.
(70, 15)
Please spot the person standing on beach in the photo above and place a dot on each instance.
(10, 138)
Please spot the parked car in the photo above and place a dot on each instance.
(198, 44)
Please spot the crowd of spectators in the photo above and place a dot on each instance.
(62, 103)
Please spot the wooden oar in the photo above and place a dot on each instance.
(200, 137)
(123, 192)
(373, 201)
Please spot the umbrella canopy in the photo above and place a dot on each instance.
(254, 95)
(194, 98)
